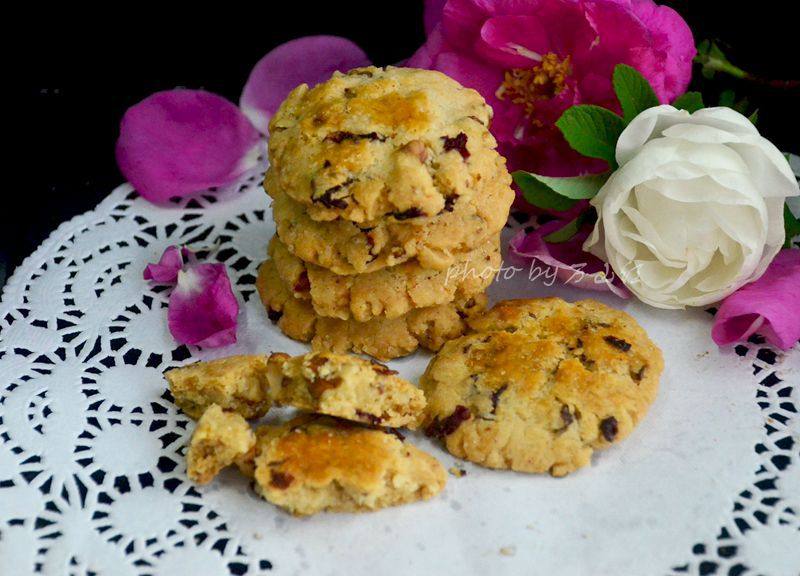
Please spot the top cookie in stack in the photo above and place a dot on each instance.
(391, 172)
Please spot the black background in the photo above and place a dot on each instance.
(79, 72)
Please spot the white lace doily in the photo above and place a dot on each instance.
(92, 477)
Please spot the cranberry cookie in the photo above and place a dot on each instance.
(540, 384)
(381, 142)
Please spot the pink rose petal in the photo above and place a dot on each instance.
(202, 308)
(178, 142)
(432, 14)
(769, 306)
(308, 60)
(166, 270)
(572, 265)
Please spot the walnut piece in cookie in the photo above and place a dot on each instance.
(237, 384)
(317, 464)
(344, 386)
(540, 384)
(218, 440)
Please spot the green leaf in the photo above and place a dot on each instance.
(691, 102)
(791, 225)
(753, 117)
(727, 98)
(540, 194)
(633, 91)
(573, 187)
(569, 229)
(593, 131)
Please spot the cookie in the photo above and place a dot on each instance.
(219, 439)
(317, 464)
(374, 143)
(389, 292)
(381, 338)
(344, 386)
(238, 384)
(435, 242)
(541, 384)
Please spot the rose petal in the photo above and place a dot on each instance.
(178, 142)
(769, 306)
(202, 308)
(308, 60)
(572, 265)
(432, 14)
(167, 268)
(513, 41)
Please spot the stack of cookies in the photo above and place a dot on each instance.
(389, 197)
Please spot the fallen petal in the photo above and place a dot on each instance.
(202, 307)
(178, 142)
(571, 264)
(167, 268)
(769, 306)
(308, 60)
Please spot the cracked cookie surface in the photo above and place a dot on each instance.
(381, 338)
(381, 142)
(237, 383)
(344, 386)
(389, 292)
(219, 440)
(541, 384)
(317, 463)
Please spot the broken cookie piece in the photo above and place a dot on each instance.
(219, 439)
(237, 384)
(316, 463)
(344, 386)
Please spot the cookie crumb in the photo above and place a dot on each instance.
(457, 472)
(508, 550)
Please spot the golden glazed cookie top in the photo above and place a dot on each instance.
(381, 141)
(540, 384)
(314, 463)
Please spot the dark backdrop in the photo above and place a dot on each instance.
(81, 71)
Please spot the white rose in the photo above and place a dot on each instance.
(695, 209)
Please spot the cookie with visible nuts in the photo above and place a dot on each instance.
(389, 292)
(344, 386)
(381, 143)
(219, 440)
(539, 385)
(435, 242)
(237, 383)
(317, 464)
(382, 338)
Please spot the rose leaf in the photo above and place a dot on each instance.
(592, 131)
(634, 92)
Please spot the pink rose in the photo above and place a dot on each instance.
(533, 59)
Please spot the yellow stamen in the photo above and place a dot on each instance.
(526, 86)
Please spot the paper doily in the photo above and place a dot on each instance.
(92, 477)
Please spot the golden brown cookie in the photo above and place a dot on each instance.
(381, 142)
(237, 384)
(435, 242)
(320, 464)
(219, 439)
(344, 386)
(382, 338)
(540, 384)
(389, 292)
